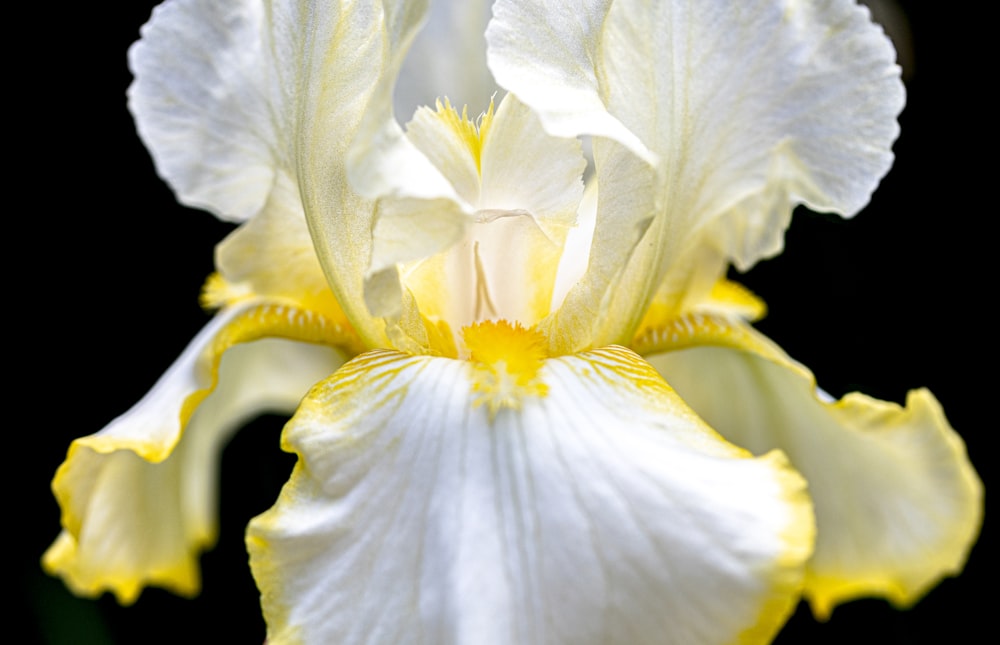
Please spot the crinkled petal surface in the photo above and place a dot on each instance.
(603, 510)
(714, 119)
(238, 102)
(898, 505)
(139, 497)
(209, 103)
(214, 100)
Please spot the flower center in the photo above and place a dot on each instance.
(520, 190)
(507, 359)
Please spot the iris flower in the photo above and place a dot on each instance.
(528, 404)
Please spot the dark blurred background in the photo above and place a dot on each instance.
(894, 299)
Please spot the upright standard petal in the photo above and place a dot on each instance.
(209, 104)
(730, 116)
(258, 96)
(898, 505)
(138, 498)
(591, 507)
(213, 99)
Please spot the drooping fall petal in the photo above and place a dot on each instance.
(588, 505)
(898, 505)
(139, 497)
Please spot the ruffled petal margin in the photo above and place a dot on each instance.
(712, 121)
(898, 505)
(602, 510)
(138, 498)
(208, 103)
(238, 102)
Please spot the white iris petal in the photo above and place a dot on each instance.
(604, 511)
(713, 120)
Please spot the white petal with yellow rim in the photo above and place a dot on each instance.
(139, 497)
(898, 505)
(602, 510)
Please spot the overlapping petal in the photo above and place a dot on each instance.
(238, 102)
(138, 497)
(272, 257)
(602, 510)
(898, 505)
(213, 99)
(713, 120)
(498, 237)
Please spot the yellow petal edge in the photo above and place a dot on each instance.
(920, 426)
(799, 538)
(924, 419)
(783, 582)
(176, 572)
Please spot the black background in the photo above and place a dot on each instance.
(109, 268)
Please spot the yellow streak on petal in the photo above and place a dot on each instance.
(181, 577)
(441, 340)
(507, 360)
(799, 534)
(701, 329)
(733, 296)
(263, 321)
(935, 534)
(271, 321)
(472, 133)
(218, 292)
(726, 298)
